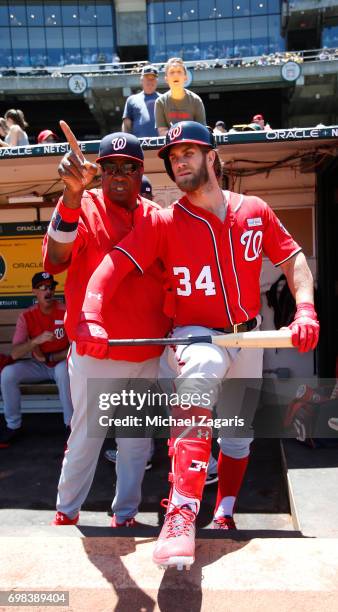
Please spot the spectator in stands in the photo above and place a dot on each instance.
(101, 58)
(17, 125)
(40, 333)
(138, 115)
(47, 136)
(219, 128)
(260, 121)
(196, 53)
(177, 104)
(3, 132)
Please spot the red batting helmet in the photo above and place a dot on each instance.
(186, 131)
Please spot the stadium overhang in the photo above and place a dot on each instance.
(31, 171)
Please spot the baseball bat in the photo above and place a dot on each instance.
(254, 339)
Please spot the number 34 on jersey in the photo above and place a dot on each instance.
(203, 282)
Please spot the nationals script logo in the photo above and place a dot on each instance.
(253, 244)
(119, 143)
(175, 132)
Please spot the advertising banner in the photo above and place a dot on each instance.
(20, 259)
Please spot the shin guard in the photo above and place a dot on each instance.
(189, 449)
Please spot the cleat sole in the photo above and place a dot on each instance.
(178, 562)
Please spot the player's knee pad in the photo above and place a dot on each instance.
(189, 449)
(236, 448)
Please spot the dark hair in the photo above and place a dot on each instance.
(17, 116)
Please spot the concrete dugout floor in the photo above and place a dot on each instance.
(265, 566)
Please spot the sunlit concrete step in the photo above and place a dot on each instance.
(113, 573)
(312, 478)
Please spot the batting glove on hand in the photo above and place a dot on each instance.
(92, 339)
(305, 328)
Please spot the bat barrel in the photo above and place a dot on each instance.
(256, 339)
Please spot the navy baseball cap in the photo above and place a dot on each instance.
(41, 277)
(149, 70)
(121, 144)
(146, 188)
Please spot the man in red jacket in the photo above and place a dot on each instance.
(40, 334)
(84, 227)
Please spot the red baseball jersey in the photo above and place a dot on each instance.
(32, 322)
(137, 309)
(213, 266)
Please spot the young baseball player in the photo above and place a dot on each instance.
(83, 228)
(211, 243)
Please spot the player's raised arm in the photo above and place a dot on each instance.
(76, 173)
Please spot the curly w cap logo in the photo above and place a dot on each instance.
(119, 143)
(175, 132)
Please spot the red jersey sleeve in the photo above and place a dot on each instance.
(138, 250)
(277, 244)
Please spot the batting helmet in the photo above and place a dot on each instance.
(186, 131)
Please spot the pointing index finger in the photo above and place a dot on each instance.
(70, 136)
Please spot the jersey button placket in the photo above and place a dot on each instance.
(225, 263)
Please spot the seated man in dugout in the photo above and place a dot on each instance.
(39, 350)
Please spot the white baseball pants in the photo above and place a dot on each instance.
(199, 368)
(81, 456)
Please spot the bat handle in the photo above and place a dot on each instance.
(159, 341)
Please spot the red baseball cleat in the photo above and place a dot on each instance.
(224, 522)
(176, 543)
(127, 523)
(62, 519)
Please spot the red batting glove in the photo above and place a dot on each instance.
(305, 328)
(92, 339)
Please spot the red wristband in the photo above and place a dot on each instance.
(70, 215)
